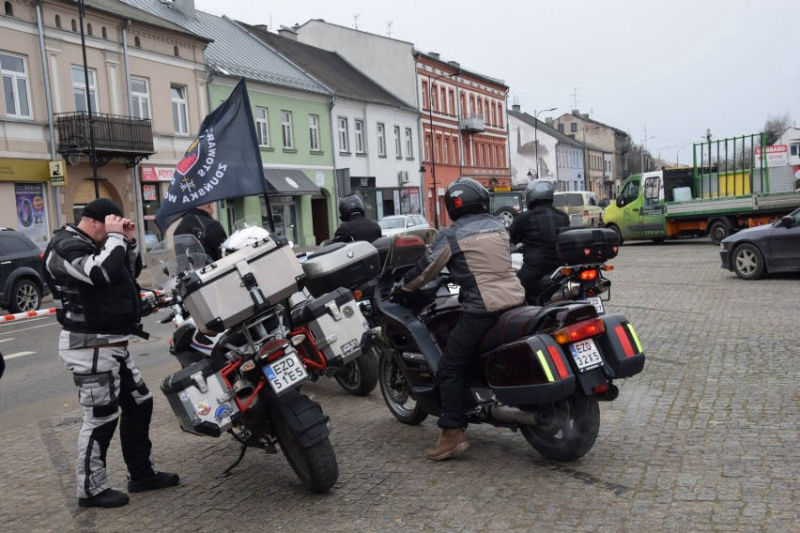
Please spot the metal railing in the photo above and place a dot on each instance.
(730, 167)
(112, 133)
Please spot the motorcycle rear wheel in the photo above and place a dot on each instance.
(568, 428)
(396, 392)
(315, 465)
(360, 376)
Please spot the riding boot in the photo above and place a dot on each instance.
(452, 443)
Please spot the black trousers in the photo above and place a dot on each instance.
(463, 347)
(531, 279)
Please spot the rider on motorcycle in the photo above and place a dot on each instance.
(355, 225)
(475, 250)
(537, 229)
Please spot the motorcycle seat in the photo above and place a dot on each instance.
(515, 324)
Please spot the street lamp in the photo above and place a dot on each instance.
(433, 157)
(535, 135)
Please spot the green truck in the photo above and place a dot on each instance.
(729, 187)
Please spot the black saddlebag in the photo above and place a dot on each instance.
(529, 371)
(620, 347)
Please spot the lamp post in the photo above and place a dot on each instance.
(92, 154)
(536, 136)
(433, 157)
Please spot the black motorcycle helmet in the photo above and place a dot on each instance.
(349, 206)
(465, 195)
(538, 191)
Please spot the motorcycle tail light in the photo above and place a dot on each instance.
(566, 271)
(588, 275)
(579, 331)
(357, 294)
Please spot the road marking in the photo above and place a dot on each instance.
(17, 354)
(32, 327)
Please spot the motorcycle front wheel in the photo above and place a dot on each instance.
(566, 429)
(396, 392)
(359, 377)
(315, 465)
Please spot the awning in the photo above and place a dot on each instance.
(289, 182)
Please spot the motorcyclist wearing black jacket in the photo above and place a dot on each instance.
(537, 229)
(355, 225)
(477, 255)
(199, 221)
(91, 269)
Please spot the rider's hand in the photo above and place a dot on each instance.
(115, 224)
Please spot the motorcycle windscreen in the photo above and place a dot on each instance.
(170, 257)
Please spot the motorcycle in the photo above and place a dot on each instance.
(582, 254)
(542, 370)
(244, 355)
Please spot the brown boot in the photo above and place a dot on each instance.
(452, 443)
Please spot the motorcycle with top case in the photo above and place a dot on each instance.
(542, 370)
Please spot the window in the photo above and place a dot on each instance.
(573, 127)
(136, 42)
(452, 102)
(795, 149)
(358, 126)
(444, 100)
(58, 21)
(493, 118)
(9, 9)
(286, 129)
(381, 140)
(435, 99)
(344, 135)
(89, 29)
(140, 98)
(409, 143)
(398, 146)
(79, 88)
(104, 32)
(15, 85)
(425, 94)
(560, 127)
(313, 132)
(262, 126)
(179, 118)
(74, 25)
(500, 115)
(175, 51)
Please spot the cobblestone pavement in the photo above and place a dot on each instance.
(706, 438)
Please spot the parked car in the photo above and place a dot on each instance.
(21, 272)
(770, 248)
(582, 203)
(394, 224)
(507, 205)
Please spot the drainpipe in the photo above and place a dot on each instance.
(49, 100)
(137, 191)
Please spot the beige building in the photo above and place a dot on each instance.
(147, 82)
(605, 149)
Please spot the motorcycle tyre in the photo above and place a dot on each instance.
(412, 417)
(316, 465)
(584, 412)
(360, 376)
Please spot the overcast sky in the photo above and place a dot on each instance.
(676, 67)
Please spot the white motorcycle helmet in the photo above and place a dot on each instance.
(241, 238)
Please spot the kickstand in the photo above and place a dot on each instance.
(227, 471)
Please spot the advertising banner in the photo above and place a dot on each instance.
(31, 212)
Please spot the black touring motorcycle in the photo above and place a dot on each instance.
(542, 369)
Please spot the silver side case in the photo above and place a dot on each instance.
(339, 332)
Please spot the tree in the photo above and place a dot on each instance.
(775, 126)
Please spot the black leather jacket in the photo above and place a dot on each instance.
(208, 231)
(96, 285)
(357, 229)
(537, 229)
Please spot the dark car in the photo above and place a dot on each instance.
(770, 248)
(506, 205)
(21, 281)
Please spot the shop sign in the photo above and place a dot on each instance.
(31, 212)
(24, 170)
(777, 155)
(150, 192)
(56, 173)
(151, 173)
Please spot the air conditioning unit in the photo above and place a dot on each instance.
(402, 176)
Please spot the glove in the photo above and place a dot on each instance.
(397, 289)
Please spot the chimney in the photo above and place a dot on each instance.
(434, 55)
(261, 27)
(455, 64)
(287, 33)
(185, 6)
(585, 115)
(576, 112)
(548, 121)
(515, 107)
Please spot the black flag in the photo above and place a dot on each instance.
(223, 161)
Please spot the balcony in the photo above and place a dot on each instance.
(114, 136)
(472, 124)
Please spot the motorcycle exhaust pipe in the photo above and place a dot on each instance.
(568, 291)
(504, 413)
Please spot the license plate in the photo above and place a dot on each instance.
(284, 373)
(586, 355)
(598, 304)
